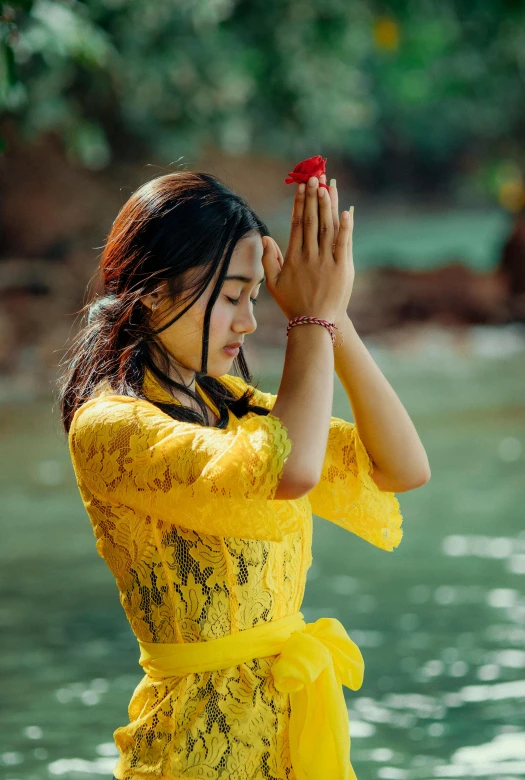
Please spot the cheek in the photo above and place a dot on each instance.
(221, 318)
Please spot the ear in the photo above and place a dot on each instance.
(147, 300)
(154, 298)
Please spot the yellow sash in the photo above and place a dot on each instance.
(313, 661)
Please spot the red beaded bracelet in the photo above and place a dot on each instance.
(305, 320)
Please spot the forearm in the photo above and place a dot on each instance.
(304, 400)
(383, 423)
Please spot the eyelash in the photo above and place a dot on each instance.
(236, 301)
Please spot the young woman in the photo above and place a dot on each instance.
(201, 487)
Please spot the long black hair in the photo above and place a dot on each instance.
(170, 225)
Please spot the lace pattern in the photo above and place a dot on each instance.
(183, 518)
(346, 493)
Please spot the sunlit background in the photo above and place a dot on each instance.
(419, 109)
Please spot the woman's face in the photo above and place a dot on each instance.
(229, 322)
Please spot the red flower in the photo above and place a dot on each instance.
(314, 166)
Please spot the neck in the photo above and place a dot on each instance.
(178, 373)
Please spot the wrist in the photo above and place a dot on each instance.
(345, 332)
(343, 321)
(342, 318)
(328, 324)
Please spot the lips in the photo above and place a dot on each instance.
(234, 344)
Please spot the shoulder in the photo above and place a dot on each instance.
(108, 414)
(108, 405)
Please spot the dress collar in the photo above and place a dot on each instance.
(155, 391)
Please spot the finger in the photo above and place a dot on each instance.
(322, 178)
(343, 238)
(326, 223)
(310, 218)
(280, 258)
(270, 263)
(350, 244)
(295, 244)
(334, 199)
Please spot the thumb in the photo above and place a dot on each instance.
(270, 262)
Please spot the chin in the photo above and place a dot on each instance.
(222, 367)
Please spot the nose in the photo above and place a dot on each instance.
(245, 323)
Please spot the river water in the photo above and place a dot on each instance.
(440, 620)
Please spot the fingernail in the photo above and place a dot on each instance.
(332, 182)
(312, 181)
(302, 187)
(351, 209)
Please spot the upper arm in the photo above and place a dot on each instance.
(195, 476)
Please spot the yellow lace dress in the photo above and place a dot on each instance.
(185, 519)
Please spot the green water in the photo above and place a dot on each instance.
(440, 621)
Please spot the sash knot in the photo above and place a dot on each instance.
(312, 661)
(312, 665)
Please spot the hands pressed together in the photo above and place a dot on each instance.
(316, 276)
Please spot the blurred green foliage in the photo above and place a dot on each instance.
(405, 90)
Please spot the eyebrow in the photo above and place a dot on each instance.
(246, 279)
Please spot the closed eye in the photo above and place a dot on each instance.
(235, 301)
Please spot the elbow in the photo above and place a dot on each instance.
(428, 474)
(425, 475)
(413, 484)
(290, 489)
(306, 487)
(422, 482)
(308, 483)
(392, 484)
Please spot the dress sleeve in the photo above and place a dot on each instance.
(346, 493)
(220, 482)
